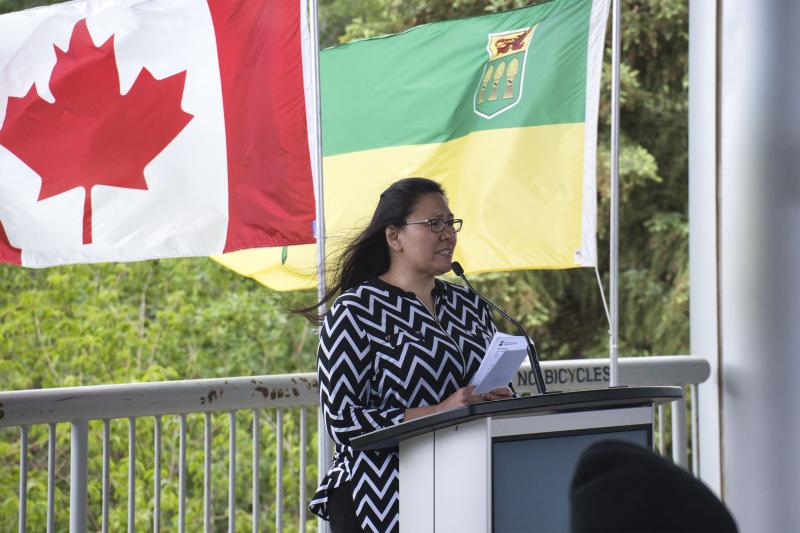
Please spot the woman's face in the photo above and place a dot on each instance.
(421, 250)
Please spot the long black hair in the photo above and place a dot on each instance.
(367, 256)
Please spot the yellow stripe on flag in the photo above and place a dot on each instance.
(519, 191)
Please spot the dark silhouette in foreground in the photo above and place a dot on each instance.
(621, 487)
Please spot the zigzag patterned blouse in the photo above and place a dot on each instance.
(381, 351)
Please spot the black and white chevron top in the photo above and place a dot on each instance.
(381, 351)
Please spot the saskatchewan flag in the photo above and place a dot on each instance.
(501, 109)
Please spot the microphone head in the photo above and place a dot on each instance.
(457, 268)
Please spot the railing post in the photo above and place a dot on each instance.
(51, 478)
(680, 454)
(323, 461)
(23, 479)
(131, 474)
(182, 473)
(106, 500)
(303, 438)
(256, 470)
(79, 450)
(157, 475)
(694, 423)
(207, 473)
(279, 471)
(232, 472)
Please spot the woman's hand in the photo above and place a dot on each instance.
(497, 394)
(460, 398)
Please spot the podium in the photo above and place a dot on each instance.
(505, 466)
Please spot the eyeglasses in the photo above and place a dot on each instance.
(437, 225)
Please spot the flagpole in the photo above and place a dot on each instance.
(614, 232)
(316, 159)
(323, 441)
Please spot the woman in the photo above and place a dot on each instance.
(397, 344)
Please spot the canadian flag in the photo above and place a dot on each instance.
(136, 129)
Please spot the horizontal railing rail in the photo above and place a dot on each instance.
(43, 406)
(78, 406)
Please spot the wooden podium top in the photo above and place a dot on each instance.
(552, 402)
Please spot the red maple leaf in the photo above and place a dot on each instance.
(92, 134)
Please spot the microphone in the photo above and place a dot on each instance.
(533, 356)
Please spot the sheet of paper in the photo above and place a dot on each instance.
(503, 357)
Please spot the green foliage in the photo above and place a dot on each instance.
(191, 318)
(155, 320)
(7, 6)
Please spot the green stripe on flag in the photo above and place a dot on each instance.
(378, 92)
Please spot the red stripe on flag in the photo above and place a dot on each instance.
(270, 190)
(8, 254)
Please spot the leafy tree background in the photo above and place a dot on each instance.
(192, 318)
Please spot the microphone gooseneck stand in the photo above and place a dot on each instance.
(533, 356)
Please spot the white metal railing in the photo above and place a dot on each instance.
(78, 406)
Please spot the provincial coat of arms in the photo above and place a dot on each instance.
(500, 85)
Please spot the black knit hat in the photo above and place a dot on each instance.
(622, 487)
